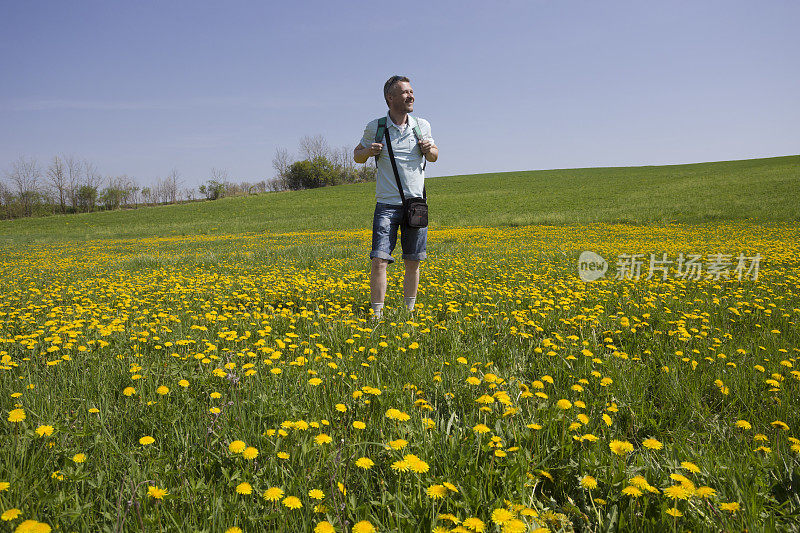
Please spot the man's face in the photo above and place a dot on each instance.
(401, 98)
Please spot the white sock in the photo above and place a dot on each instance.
(410, 302)
(377, 309)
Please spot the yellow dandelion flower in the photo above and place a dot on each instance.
(156, 493)
(322, 438)
(32, 526)
(588, 482)
(250, 453)
(501, 516)
(416, 464)
(447, 516)
(43, 431)
(401, 466)
(316, 494)
(128, 391)
(237, 446)
(652, 444)
(363, 526)
(244, 488)
(358, 424)
(481, 428)
(631, 491)
(365, 463)
(183, 383)
(743, 424)
(620, 447)
(233, 529)
(677, 492)
(780, 425)
(474, 524)
(398, 444)
(436, 492)
(292, 502)
(731, 507)
(11, 514)
(16, 415)
(450, 486)
(273, 494)
(146, 440)
(162, 390)
(691, 467)
(673, 511)
(705, 492)
(564, 404)
(79, 457)
(324, 527)
(396, 414)
(282, 455)
(515, 525)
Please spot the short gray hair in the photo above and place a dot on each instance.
(389, 85)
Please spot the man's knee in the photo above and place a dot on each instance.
(411, 265)
(379, 264)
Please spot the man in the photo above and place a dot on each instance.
(408, 153)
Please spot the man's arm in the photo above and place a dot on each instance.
(361, 153)
(430, 150)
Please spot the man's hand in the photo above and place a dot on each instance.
(361, 154)
(429, 150)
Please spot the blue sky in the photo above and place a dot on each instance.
(142, 87)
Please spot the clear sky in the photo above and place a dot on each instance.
(142, 87)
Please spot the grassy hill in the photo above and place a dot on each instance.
(764, 190)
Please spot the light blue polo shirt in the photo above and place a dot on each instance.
(407, 155)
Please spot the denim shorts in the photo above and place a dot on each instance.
(385, 223)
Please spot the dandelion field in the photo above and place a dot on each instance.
(209, 383)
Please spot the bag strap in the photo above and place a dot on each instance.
(379, 134)
(396, 172)
(418, 135)
(394, 166)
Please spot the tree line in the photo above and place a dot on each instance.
(69, 184)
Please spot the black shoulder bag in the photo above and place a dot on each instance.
(415, 210)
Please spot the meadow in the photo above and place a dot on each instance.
(191, 370)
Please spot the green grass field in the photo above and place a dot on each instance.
(763, 190)
(214, 366)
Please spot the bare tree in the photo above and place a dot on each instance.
(171, 185)
(57, 175)
(25, 175)
(73, 170)
(219, 175)
(6, 200)
(91, 176)
(281, 163)
(311, 147)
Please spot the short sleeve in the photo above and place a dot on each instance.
(369, 133)
(425, 129)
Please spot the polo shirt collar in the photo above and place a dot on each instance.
(391, 122)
